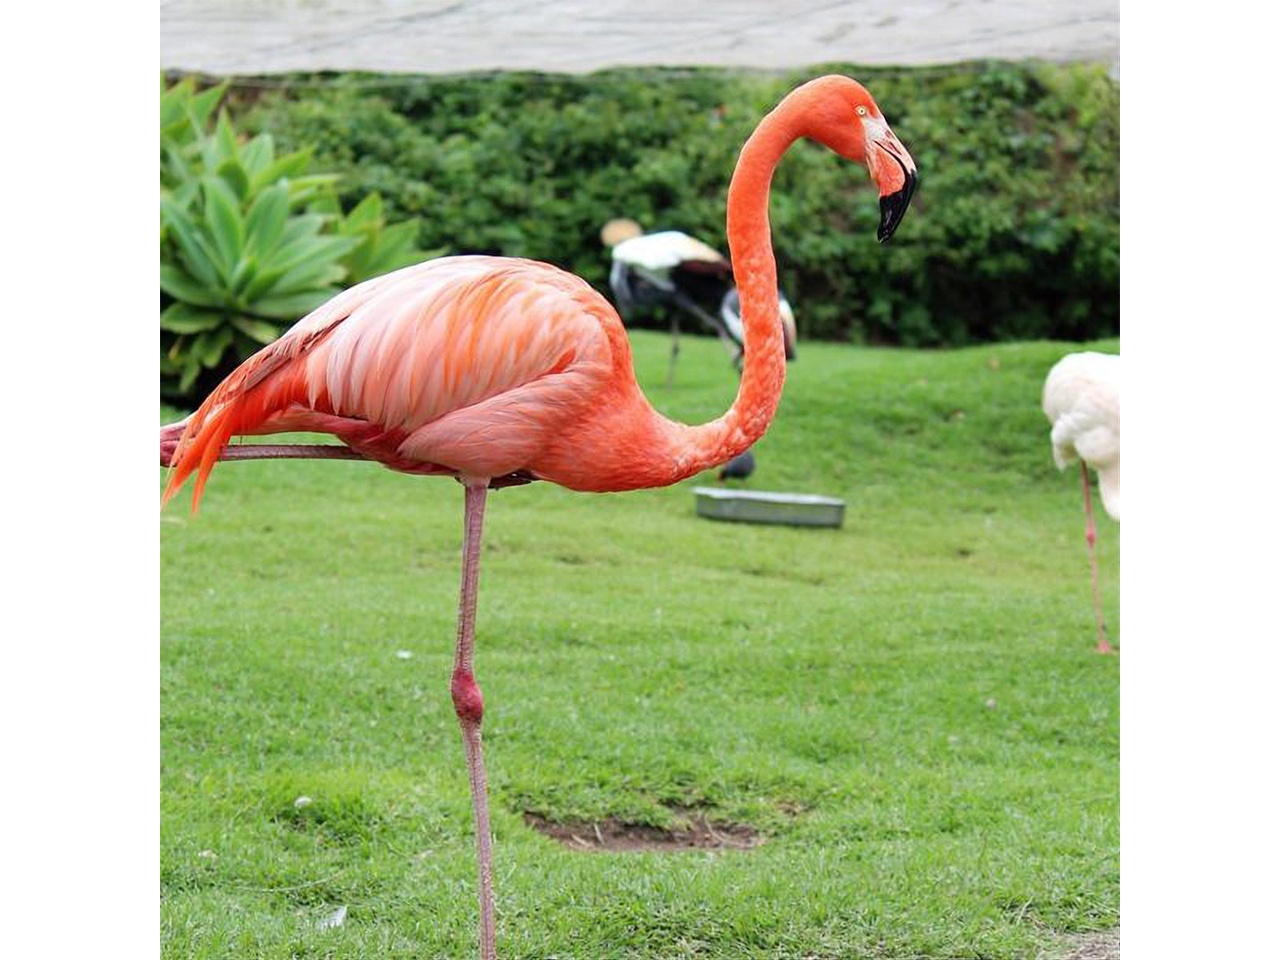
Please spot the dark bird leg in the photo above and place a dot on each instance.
(1091, 536)
(690, 307)
(469, 706)
(675, 348)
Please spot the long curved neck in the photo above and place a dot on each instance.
(755, 272)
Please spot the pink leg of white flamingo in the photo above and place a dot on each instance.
(1091, 536)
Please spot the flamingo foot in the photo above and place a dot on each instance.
(169, 437)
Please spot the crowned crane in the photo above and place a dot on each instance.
(1082, 400)
(669, 268)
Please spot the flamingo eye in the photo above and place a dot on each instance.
(862, 111)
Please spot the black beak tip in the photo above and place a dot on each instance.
(893, 207)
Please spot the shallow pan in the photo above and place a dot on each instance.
(752, 506)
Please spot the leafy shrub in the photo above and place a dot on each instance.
(1014, 232)
(249, 242)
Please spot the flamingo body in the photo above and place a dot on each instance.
(1082, 401)
(477, 367)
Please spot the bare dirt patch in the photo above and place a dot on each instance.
(1101, 945)
(697, 833)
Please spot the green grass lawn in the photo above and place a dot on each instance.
(909, 709)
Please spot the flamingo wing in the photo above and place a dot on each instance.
(463, 365)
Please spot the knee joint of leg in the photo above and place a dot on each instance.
(467, 701)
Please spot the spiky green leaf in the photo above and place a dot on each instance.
(180, 285)
(367, 213)
(204, 103)
(265, 223)
(223, 212)
(234, 175)
(228, 145)
(194, 250)
(290, 165)
(257, 154)
(184, 319)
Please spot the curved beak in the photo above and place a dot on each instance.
(895, 173)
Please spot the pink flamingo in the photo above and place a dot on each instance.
(501, 371)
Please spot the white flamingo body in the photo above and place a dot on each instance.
(1081, 398)
(1082, 401)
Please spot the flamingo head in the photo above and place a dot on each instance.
(839, 113)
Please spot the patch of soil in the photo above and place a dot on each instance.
(611, 834)
(1101, 945)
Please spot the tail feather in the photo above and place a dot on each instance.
(206, 433)
(240, 403)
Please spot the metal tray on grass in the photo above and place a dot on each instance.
(752, 506)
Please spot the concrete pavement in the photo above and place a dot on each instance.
(580, 36)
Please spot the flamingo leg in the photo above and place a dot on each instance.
(469, 706)
(1091, 536)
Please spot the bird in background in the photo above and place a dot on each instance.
(675, 270)
(739, 468)
(1081, 398)
(499, 372)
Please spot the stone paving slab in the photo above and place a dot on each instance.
(580, 36)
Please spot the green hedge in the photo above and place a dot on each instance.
(1014, 232)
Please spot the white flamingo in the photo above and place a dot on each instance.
(1082, 400)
